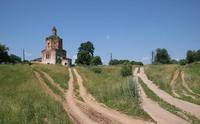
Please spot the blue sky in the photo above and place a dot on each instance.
(130, 29)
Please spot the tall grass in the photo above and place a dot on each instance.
(171, 108)
(192, 75)
(161, 75)
(115, 91)
(23, 101)
(59, 73)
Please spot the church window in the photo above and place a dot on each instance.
(48, 56)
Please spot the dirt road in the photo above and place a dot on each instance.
(160, 115)
(73, 109)
(186, 85)
(184, 105)
(173, 82)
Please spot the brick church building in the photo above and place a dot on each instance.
(54, 52)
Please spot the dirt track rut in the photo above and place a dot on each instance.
(184, 105)
(160, 115)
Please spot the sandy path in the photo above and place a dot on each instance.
(115, 116)
(92, 114)
(160, 115)
(184, 105)
(53, 82)
(46, 88)
(73, 109)
(173, 82)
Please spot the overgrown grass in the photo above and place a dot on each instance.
(171, 108)
(76, 88)
(180, 89)
(53, 88)
(23, 101)
(59, 73)
(192, 76)
(161, 75)
(110, 88)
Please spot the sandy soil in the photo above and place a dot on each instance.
(160, 115)
(184, 105)
(173, 82)
(73, 109)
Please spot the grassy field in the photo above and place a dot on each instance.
(59, 73)
(192, 76)
(171, 108)
(161, 75)
(23, 101)
(110, 88)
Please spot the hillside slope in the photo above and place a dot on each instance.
(22, 99)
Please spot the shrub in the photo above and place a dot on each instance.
(126, 70)
(183, 62)
(96, 60)
(96, 69)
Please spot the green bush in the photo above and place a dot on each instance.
(183, 62)
(96, 69)
(126, 70)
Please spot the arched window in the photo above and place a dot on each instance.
(48, 56)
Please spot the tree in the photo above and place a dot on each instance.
(162, 56)
(96, 60)
(114, 62)
(190, 56)
(126, 70)
(197, 55)
(182, 62)
(87, 46)
(4, 57)
(15, 59)
(85, 53)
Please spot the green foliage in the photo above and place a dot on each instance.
(162, 56)
(182, 62)
(126, 70)
(24, 101)
(133, 88)
(85, 53)
(173, 61)
(96, 69)
(193, 56)
(15, 59)
(4, 57)
(115, 91)
(96, 60)
(59, 73)
(117, 62)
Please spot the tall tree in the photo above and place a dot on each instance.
(190, 56)
(4, 57)
(96, 60)
(85, 53)
(162, 56)
(87, 46)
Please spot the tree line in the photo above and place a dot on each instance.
(5, 57)
(162, 57)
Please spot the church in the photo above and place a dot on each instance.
(54, 52)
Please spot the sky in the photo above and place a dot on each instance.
(129, 29)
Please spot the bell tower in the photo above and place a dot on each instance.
(54, 31)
